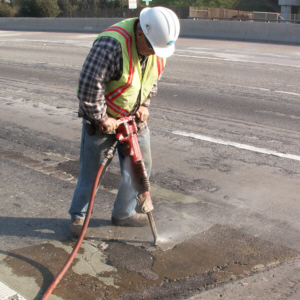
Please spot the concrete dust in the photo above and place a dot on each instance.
(215, 256)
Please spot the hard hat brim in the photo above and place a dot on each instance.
(164, 52)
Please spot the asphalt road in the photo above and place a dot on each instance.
(225, 183)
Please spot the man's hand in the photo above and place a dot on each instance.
(110, 124)
(142, 114)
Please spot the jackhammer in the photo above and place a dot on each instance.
(126, 133)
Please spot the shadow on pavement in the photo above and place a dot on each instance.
(52, 229)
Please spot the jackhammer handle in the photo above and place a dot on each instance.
(119, 121)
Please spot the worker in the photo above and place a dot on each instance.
(119, 78)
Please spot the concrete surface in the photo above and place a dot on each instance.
(278, 283)
(224, 214)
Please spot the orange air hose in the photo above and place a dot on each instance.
(82, 234)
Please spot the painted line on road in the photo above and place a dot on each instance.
(236, 145)
(7, 293)
(233, 58)
(289, 93)
(281, 92)
(201, 57)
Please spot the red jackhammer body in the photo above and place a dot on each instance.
(126, 134)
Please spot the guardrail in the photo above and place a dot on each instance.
(245, 31)
(280, 20)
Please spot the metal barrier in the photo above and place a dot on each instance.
(252, 31)
(279, 20)
(267, 16)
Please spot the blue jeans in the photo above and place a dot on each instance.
(93, 150)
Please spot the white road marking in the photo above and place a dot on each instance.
(236, 145)
(247, 58)
(274, 91)
(7, 293)
(289, 93)
(203, 57)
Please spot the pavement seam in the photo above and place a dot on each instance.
(39, 166)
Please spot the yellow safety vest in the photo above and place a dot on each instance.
(122, 95)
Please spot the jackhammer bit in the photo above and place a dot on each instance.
(145, 206)
(153, 227)
(127, 134)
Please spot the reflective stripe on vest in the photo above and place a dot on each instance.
(122, 95)
(118, 91)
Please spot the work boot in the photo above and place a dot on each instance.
(136, 220)
(76, 226)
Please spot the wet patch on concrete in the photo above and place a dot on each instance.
(71, 167)
(213, 257)
(216, 256)
(133, 259)
(221, 250)
(44, 261)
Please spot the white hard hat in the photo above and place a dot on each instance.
(161, 27)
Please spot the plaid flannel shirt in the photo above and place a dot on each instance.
(103, 64)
